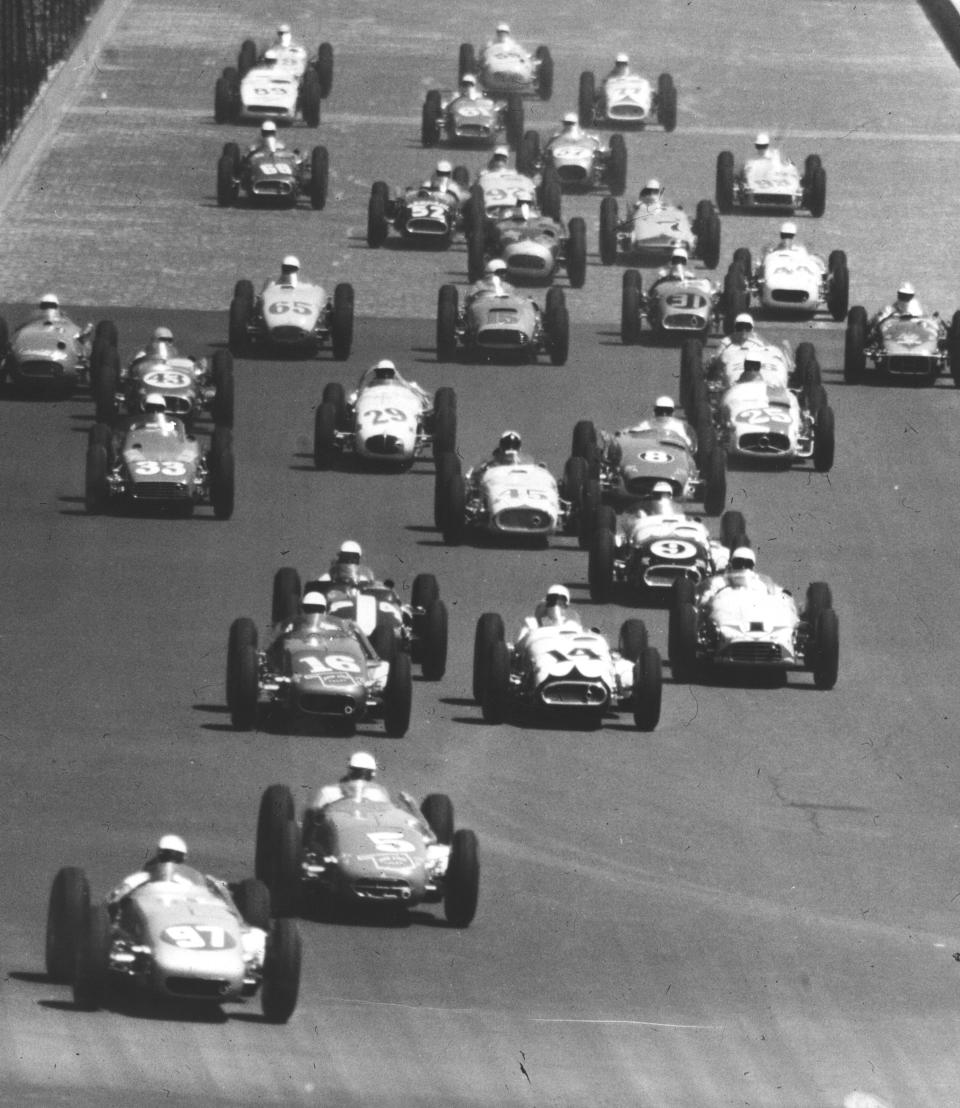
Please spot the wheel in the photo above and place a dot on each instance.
(838, 289)
(310, 97)
(691, 374)
(576, 476)
(496, 684)
(733, 529)
(806, 366)
(283, 866)
(544, 73)
(743, 258)
(96, 485)
(588, 508)
(105, 380)
(489, 631)
(222, 473)
(736, 296)
(247, 58)
(587, 98)
(287, 590)
(444, 421)
(600, 566)
(467, 61)
(92, 967)
(667, 102)
(513, 119)
(647, 689)
(557, 325)
(577, 252)
(433, 639)
(631, 299)
(424, 591)
(398, 697)
(551, 194)
(682, 637)
(384, 642)
(335, 395)
(819, 598)
(724, 185)
(476, 255)
(100, 435)
(953, 348)
(276, 811)
(826, 647)
(448, 309)
(816, 192)
(377, 224)
(634, 639)
(715, 479)
(430, 117)
(854, 347)
(708, 240)
(462, 883)
(241, 309)
(824, 440)
(584, 443)
(609, 222)
(281, 972)
(437, 810)
(461, 176)
(224, 100)
(67, 910)
(528, 154)
(324, 66)
(221, 372)
(252, 898)
(226, 183)
(617, 166)
(243, 674)
(341, 326)
(325, 436)
(319, 177)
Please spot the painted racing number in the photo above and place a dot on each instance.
(298, 307)
(674, 549)
(391, 842)
(658, 457)
(760, 417)
(163, 469)
(688, 300)
(384, 415)
(196, 936)
(268, 168)
(166, 379)
(338, 663)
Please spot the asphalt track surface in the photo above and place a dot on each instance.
(755, 905)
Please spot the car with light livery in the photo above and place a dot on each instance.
(296, 319)
(649, 233)
(282, 83)
(627, 100)
(503, 326)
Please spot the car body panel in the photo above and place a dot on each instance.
(48, 353)
(792, 280)
(292, 314)
(682, 306)
(653, 231)
(627, 99)
(520, 499)
(270, 92)
(769, 182)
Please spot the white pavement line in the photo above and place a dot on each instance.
(38, 130)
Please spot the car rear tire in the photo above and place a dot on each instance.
(462, 883)
(341, 326)
(550, 194)
(96, 485)
(691, 374)
(715, 478)
(252, 898)
(733, 530)
(631, 298)
(824, 441)
(448, 309)
(838, 291)
(377, 225)
(285, 603)
(708, 239)
(398, 697)
(513, 120)
(634, 639)
(226, 97)
(557, 325)
(430, 116)
(105, 379)
(424, 591)
(67, 911)
(310, 97)
(584, 444)
(617, 166)
(325, 437)
(437, 810)
(528, 153)
(736, 296)
(319, 177)
(666, 102)
(587, 98)
(449, 506)
(433, 637)
(682, 639)
(466, 61)
(647, 689)
(325, 69)
(489, 631)
(222, 475)
(243, 678)
(577, 253)
(92, 967)
(221, 373)
(226, 184)
(247, 57)
(276, 810)
(724, 182)
(496, 684)
(609, 222)
(854, 346)
(444, 421)
(544, 72)
(826, 665)
(281, 972)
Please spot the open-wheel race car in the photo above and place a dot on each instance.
(454, 120)
(743, 622)
(567, 671)
(422, 215)
(771, 183)
(502, 326)
(672, 307)
(650, 233)
(296, 319)
(180, 937)
(583, 162)
(506, 67)
(156, 465)
(50, 353)
(627, 100)
(279, 177)
(281, 83)
(917, 347)
(356, 847)
(386, 421)
(316, 669)
(787, 280)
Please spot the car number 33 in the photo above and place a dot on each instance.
(148, 468)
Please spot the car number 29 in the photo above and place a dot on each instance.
(383, 415)
(162, 469)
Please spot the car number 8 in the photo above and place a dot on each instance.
(659, 457)
(165, 469)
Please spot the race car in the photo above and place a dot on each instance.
(911, 347)
(49, 353)
(650, 233)
(384, 422)
(771, 183)
(179, 937)
(278, 177)
(316, 669)
(755, 627)
(454, 120)
(787, 281)
(189, 386)
(279, 83)
(519, 500)
(366, 850)
(582, 162)
(644, 550)
(671, 307)
(298, 320)
(627, 99)
(420, 214)
(417, 628)
(138, 463)
(502, 326)
(508, 67)
(566, 671)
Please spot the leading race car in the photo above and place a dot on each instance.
(507, 67)
(787, 280)
(627, 99)
(743, 622)
(181, 936)
(49, 353)
(280, 83)
(455, 120)
(771, 183)
(915, 347)
(315, 669)
(583, 161)
(650, 233)
(299, 319)
(154, 464)
(278, 176)
(364, 849)
(421, 214)
(387, 420)
(566, 670)
(502, 325)
(672, 306)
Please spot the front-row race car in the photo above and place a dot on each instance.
(365, 849)
(299, 319)
(278, 176)
(502, 325)
(181, 937)
(282, 83)
(626, 99)
(787, 280)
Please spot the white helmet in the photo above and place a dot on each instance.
(571, 119)
(510, 440)
(662, 488)
(270, 55)
(661, 498)
(283, 34)
(788, 229)
(905, 291)
(468, 79)
(557, 595)
(49, 301)
(495, 267)
(503, 28)
(679, 255)
(154, 402)
(268, 127)
(762, 141)
(651, 188)
(362, 766)
(664, 406)
(162, 334)
(501, 152)
(743, 558)
(621, 59)
(743, 322)
(350, 552)
(444, 169)
(290, 264)
(314, 601)
(171, 848)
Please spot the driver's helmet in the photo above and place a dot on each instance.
(508, 448)
(555, 605)
(621, 63)
(49, 302)
(271, 57)
(650, 192)
(290, 267)
(496, 267)
(503, 32)
(679, 257)
(268, 132)
(762, 143)
(314, 602)
(170, 848)
(659, 501)
(384, 370)
(742, 564)
(444, 169)
(500, 157)
(788, 232)
(154, 405)
(524, 198)
(570, 122)
(743, 326)
(361, 767)
(906, 303)
(161, 342)
(663, 407)
(283, 35)
(468, 84)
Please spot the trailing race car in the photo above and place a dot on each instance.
(627, 98)
(50, 353)
(278, 176)
(387, 420)
(316, 668)
(365, 849)
(299, 318)
(455, 120)
(743, 621)
(787, 280)
(421, 214)
(505, 67)
(180, 936)
(280, 83)
(566, 670)
(775, 412)
(150, 461)
(672, 306)
(918, 347)
(650, 232)
(418, 628)
(582, 160)
(771, 182)
(502, 325)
